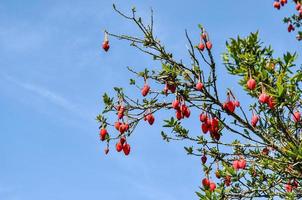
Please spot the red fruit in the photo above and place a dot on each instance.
(175, 104)
(237, 103)
(288, 188)
(214, 122)
(126, 149)
(277, 5)
(298, 6)
(179, 115)
(236, 165)
(126, 127)
(122, 128)
(229, 106)
(290, 28)
(263, 98)
(119, 147)
(145, 90)
(199, 86)
(106, 151)
(204, 128)
(150, 119)
(201, 46)
(297, 116)
(212, 186)
(103, 134)
(204, 159)
(187, 113)
(204, 36)
(209, 45)
(117, 125)
(254, 120)
(271, 102)
(106, 45)
(251, 84)
(203, 117)
(283, 2)
(122, 140)
(265, 151)
(242, 164)
(172, 88)
(206, 182)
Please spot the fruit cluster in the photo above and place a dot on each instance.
(210, 124)
(181, 109)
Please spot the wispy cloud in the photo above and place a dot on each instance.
(50, 96)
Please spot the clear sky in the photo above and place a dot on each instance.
(52, 75)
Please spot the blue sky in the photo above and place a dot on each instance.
(53, 74)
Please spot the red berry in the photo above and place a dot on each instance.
(175, 104)
(145, 90)
(201, 46)
(265, 151)
(251, 84)
(263, 98)
(179, 115)
(204, 128)
(288, 188)
(236, 165)
(290, 28)
(203, 117)
(204, 36)
(126, 126)
(212, 186)
(119, 147)
(209, 45)
(187, 113)
(172, 88)
(204, 159)
(214, 122)
(254, 120)
(117, 125)
(126, 149)
(297, 116)
(271, 102)
(103, 134)
(199, 86)
(277, 5)
(150, 119)
(106, 45)
(122, 128)
(206, 182)
(122, 140)
(298, 6)
(242, 164)
(283, 2)
(229, 106)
